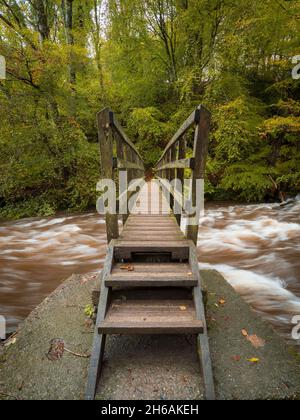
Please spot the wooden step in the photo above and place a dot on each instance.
(139, 317)
(155, 236)
(125, 249)
(151, 275)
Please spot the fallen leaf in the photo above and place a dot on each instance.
(127, 267)
(10, 342)
(256, 341)
(88, 323)
(245, 333)
(57, 349)
(216, 305)
(222, 301)
(253, 360)
(190, 274)
(183, 308)
(86, 279)
(236, 358)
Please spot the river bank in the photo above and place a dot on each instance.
(147, 367)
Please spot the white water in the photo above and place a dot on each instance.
(256, 248)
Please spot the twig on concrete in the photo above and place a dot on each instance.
(84, 356)
(9, 396)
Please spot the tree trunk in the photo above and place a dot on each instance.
(67, 7)
(42, 20)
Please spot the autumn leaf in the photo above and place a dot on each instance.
(245, 333)
(190, 274)
(57, 349)
(236, 358)
(222, 301)
(11, 341)
(256, 341)
(127, 267)
(253, 360)
(183, 308)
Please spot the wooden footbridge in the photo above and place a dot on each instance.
(150, 283)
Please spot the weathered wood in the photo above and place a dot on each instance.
(114, 122)
(106, 151)
(200, 155)
(145, 232)
(151, 237)
(182, 268)
(151, 317)
(176, 194)
(191, 121)
(180, 175)
(203, 342)
(99, 340)
(188, 163)
(178, 249)
(148, 279)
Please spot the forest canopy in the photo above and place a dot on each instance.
(152, 62)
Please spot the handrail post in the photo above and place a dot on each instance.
(180, 172)
(104, 119)
(203, 119)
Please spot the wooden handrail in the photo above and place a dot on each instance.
(174, 161)
(115, 124)
(192, 120)
(118, 153)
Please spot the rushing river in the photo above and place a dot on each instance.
(256, 248)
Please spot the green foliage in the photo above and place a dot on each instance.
(153, 62)
(148, 127)
(247, 182)
(89, 311)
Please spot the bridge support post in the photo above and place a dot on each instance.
(203, 119)
(104, 120)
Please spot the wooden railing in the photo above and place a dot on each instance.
(175, 160)
(118, 154)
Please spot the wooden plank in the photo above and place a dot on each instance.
(200, 155)
(150, 225)
(106, 151)
(151, 280)
(152, 231)
(155, 275)
(151, 317)
(151, 237)
(178, 249)
(99, 340)
(155, 268)
(188, 163)
(202, 340)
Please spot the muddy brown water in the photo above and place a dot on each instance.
(255, 247)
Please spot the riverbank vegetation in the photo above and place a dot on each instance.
(152, 61)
